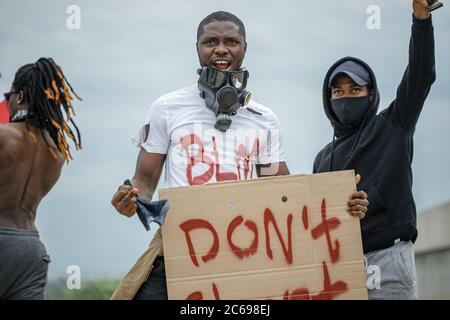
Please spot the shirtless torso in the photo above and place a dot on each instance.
(28, 171)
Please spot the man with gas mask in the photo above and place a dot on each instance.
(209, 132)
(380, 148)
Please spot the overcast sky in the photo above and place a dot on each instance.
(128, 53)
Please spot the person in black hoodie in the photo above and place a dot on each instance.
(380, 148)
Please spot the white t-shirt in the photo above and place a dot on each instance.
(180, 126)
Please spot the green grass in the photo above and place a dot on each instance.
(90, 290)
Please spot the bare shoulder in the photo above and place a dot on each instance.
(8, 133)
(17, 139)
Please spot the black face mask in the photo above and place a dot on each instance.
(350, 111)
(224, 93)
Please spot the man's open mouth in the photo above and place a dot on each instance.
(222, 64)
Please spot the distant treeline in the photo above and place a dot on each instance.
(101, 289)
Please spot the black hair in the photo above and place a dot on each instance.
(221, 16)
(47, 93)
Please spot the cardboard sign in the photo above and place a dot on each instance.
(271, 238)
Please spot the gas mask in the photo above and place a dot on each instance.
(224, 93)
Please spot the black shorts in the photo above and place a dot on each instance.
(23, 265)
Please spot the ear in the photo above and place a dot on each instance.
(198, 54)
(245, 53)
(19, 97)
(371, 95)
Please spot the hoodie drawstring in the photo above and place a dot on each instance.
(330, 169)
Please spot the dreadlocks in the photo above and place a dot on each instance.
(48, 94)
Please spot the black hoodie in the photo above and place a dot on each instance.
(381, 149)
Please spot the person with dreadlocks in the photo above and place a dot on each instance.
(33, 149)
